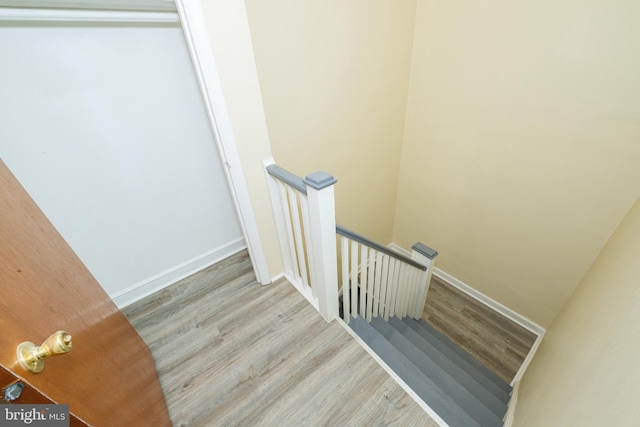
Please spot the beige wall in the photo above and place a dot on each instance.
(584, 373)
(522, 142)
(519, 154)
(231, 41)
(334, 78)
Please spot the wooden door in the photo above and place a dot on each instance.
(109, 377)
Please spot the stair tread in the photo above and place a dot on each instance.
(443, 404)
(443, 379)
(461, 356)
(486, 392)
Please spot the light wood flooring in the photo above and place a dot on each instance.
(230, 352)
(497, 342)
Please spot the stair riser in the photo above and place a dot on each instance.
(497, 403)
(456, 391)
(422, 385)
(490, 380)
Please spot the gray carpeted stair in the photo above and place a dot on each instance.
(457, 387)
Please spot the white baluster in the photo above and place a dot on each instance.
(279, 215)
(384, 285)
(297, 235)
(354, 278)
(363, 280)
(346, 308)
(394, 273)
(306, 231)
(413, 297)
(377, 307)
(286, 208)
(425, 256)
(370, 278)
(403, 290)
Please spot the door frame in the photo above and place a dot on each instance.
(191, 18)
(202, 56)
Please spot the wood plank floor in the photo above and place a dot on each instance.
(497, 342)
(230, 352)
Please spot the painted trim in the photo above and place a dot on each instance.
(394, 376)
(139, 5)
(69, 15)
(508, 417)
(197, 37)
(400, 255)
(168, 277)
(528, 359)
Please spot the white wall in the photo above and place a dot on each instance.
(105, 127)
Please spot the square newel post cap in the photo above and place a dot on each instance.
(319, 180)
(425, 250)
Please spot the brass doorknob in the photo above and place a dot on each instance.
(31, 357)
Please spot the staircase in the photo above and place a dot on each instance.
(375, 288)
(456, 386)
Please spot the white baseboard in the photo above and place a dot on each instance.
(277, 277)
(511, 410)
(168, 277)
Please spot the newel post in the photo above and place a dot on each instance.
(322, 222)
(425, 256)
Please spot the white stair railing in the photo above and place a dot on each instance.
(378, 282)
(375, 281)
(304, 213)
